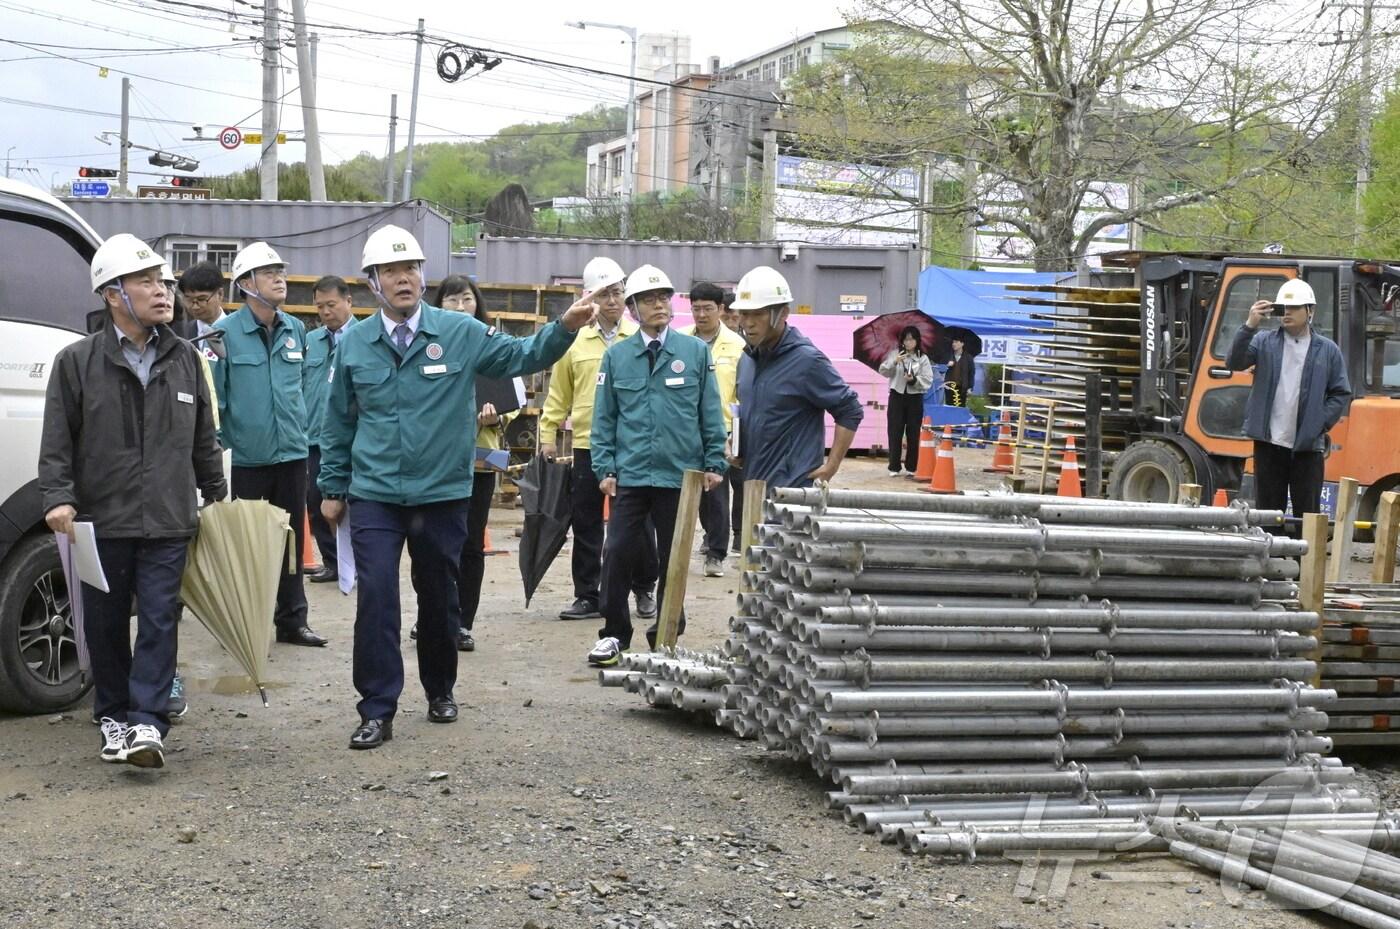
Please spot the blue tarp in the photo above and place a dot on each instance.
(977, 299)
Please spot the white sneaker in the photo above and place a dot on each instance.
(714, 567)
(144, 748)
(606, 653)
(113, 740)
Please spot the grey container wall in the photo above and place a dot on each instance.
(314, 238)
(819, 274)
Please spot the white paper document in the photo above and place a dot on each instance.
(85, 555)
(75, 597)
(344, 554)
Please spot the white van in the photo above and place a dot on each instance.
(44, 300)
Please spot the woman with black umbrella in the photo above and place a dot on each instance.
(910, 375)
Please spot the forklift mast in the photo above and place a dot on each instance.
(1177, 297)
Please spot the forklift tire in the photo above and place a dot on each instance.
(1150, 472)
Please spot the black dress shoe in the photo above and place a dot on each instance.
(372, 733)
(465, 642)
(582, 609)
(323, 576)
(646, 604)
(442, 710)
(301, 636)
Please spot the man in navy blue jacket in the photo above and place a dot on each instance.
(786, 388)
(1300, 391)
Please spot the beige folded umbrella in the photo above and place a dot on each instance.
(231, 576)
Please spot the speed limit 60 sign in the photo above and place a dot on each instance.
(231, 138)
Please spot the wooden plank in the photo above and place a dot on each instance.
(678, 571)
(1312, 580)
(1116, 294)
(1188, 494)
(755, 492)
(1049, 440)
(1380, 687)
(1348, 497)
(1093, 436)
(1388, 528)
(1364, 738)
(1362, 652)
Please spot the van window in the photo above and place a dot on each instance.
(1383, 351)
(42, 276)
(1244, 291)
(1323, 281)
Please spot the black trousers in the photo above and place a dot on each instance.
(322, 531)
(282, 485)
(734, 477)
(904, 416)
(1281, 474)
(714, 519)
(586, 505)
(133, 685)
(642, 518)
(472, 564)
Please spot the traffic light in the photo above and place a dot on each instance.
(178, 162)
(187, 182)
(97, 172)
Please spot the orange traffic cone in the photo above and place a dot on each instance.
(945, 478)
(1070, 485)
(309, 561)
(927, 452)
(1221, 498)
(1002, 458)
(486, 548)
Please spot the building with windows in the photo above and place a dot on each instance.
(777, 64)
(605, 166)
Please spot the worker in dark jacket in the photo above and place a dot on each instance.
(129, 432)
(786, 386)
(1300, 391)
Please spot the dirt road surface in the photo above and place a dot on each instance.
(550, 803)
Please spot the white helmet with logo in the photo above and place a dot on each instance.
(255, 256)
(762, 287)
(1296, 293)
(389, 244)
(645, 279)
(119, 256)
(167, 273)
(600, 273)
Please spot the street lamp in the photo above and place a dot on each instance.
(7, 159)
(631, 103)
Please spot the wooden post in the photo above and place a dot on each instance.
(1048, 445)
(1312, 578)
(755, 492)
(1348, 496)
(668, 624)
(1188, 494)
(1020, 437)
(1093, 434)
(1387, 530)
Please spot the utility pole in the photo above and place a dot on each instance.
(389, 162)
(1363, 159)
(315, 173)
(268, 170)
(766, 220)
(413, 115)
(125, 134)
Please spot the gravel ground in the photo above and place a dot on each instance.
(551, 803)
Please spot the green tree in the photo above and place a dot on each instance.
(1381, 204)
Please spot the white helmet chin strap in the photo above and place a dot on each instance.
(126, 302)
(373, 279)
(254, 295)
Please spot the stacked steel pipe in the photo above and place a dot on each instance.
(1021, 672)
(1361, 661)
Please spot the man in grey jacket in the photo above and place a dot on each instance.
(786, 388)
(129, 432)
(1300, 391)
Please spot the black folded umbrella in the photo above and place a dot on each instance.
(544, 490)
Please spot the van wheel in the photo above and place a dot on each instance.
(38, 649)
(1150, 472)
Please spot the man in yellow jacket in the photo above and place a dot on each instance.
(726, 348)
(572, 383)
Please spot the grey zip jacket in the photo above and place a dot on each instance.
(1323, 395)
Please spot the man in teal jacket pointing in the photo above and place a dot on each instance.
(395, 444)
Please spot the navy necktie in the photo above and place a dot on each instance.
(653, 349)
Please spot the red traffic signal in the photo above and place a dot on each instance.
(187, 182)
(97, 172)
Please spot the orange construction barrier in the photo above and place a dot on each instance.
(1221, 498)
(1002, 458)
(945, 478)
(927, 452)
(1070, 485)
(309, 560)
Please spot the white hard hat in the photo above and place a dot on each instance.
(119, 256)
(255, 256)
(389, 244)
(646, 278)
(167, 273)
(762, 287)
(1296, 293)
(600, 273)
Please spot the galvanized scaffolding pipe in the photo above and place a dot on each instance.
(1059, 747)
(1049, 642)
(865, 668)
(1090, 616)
(1082, 779)
(1297, 892)
(1064, 699)
(1247, 841)
(873, 726)
(1375, 859)
(689, 698)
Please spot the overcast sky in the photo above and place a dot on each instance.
(194, 43)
